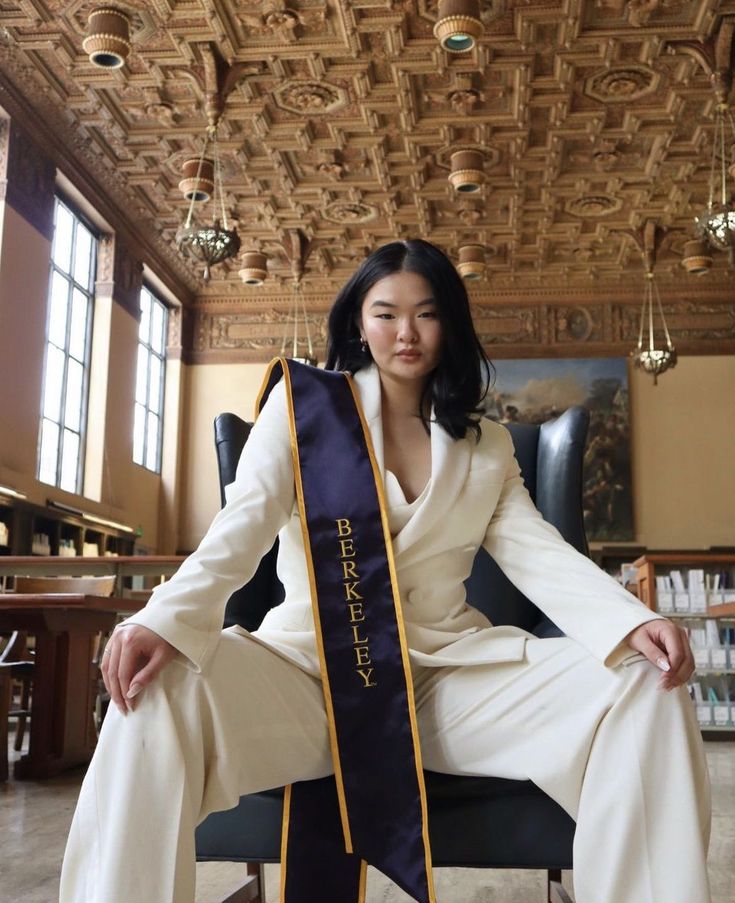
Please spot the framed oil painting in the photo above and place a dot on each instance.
(534, 391)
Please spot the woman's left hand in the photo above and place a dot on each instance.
(663, 643)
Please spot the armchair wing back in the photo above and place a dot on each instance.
(550, 457)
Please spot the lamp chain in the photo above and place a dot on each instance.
(669, 344)
(218, 180)
(190, 214)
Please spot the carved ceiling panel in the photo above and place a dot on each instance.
(343, 122)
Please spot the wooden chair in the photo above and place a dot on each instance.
(15, 669)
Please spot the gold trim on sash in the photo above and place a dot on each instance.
(401, 635)
(336, 759)
(284, 838)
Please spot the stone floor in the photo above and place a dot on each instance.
(35, 816)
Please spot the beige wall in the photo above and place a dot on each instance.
(24, 268)
(683, 448)
(683, 445)
(210, 389)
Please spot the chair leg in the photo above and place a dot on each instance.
(5, 691)
(20, 724)
(252, 891)
(555, 891)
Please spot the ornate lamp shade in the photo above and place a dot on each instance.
(467, 171)
(458, 26)
(471, 266)
(197, 181)
(717, 225)
(108, 40)
(697, 259)
(651, 359)
(210, 244)
(254, 268)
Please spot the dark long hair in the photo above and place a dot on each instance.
(461, 378)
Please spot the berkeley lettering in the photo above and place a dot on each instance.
(354, 601)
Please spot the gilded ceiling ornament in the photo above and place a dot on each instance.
(593, 205)
(464, 101)
(606, 155)
(469, 212)
(350, 212)
(332, 165)
(311, 97)
(281, 21)
(640, 11)
(582, 253)
(162, 111)
(622, 84)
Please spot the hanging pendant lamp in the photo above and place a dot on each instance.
(717, 223)
(647, 356)
(212, 244)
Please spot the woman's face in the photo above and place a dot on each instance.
(399, 320)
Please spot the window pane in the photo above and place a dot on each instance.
(63, 230)
(83, 257)
(157, 338)
(139, 434)
(49, 452)
(53, 383)
(141, 377)
(151, 448)
(57, 309)
(154, 385)
(73, 407)
(78, 335)
(69, 461)
(145, 316)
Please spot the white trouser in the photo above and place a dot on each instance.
(622, 757)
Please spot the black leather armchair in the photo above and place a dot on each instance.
(473, 822)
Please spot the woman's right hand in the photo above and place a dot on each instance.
(133, 657)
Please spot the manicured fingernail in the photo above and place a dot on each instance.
(133, 691)
(663, 664)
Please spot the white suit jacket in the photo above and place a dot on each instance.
(476, 497)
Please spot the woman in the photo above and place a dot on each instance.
(580, 715)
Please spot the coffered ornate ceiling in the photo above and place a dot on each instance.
(589, 119)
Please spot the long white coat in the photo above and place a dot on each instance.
(476, 497)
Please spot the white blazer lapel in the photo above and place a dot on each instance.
(450, 462)
(367, 381)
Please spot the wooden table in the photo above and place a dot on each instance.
(66, 626)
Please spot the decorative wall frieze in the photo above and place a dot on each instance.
(223, 333)
(27, 178)
(119, 274)
(179, 339)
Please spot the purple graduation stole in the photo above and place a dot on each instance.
(374, 809)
